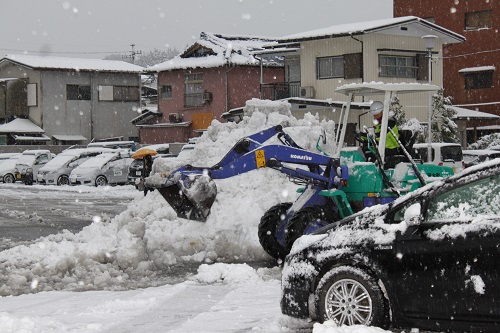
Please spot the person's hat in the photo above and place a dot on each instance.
(376, 107)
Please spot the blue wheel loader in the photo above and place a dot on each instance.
(333, 186)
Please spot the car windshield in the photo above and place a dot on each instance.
(97, 161)
(458, 204)
(59, 161)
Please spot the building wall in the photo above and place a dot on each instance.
(480, 49)
(14, 71)
(415, 105)
(230, 87)
(93, 119)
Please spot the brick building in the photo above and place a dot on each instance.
(214, 75)
(470, 69)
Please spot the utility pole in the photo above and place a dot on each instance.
(133, 53)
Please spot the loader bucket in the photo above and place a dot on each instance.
(191, 195)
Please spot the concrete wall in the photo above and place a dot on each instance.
(93, 119)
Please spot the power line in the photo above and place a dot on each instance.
(63, 52)
(469, 54)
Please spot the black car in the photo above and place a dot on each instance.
(429, 260)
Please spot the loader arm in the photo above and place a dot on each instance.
(190, 190)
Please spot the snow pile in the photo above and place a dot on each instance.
(331, 327)
(148, 238)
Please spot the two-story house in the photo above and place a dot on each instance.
(73, 100)
(388, 50)
(470, 68)
(213, 75)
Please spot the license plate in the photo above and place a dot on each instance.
(138, 173)
(18, 175)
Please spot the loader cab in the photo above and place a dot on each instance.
(375, 91)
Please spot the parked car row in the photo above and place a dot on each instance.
(98, 164)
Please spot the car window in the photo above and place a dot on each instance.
(451, 153)
(43, 158)
(422, 154)
(478, 198)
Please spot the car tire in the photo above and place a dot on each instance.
(101, 181)
(267, 230)
(9, 178)
(303, 218)
(63, 180)
(335, 301)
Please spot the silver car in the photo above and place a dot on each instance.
(103, 169)
(57, 170)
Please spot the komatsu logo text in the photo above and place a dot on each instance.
(301, 157)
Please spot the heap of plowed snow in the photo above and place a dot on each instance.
(149, 237)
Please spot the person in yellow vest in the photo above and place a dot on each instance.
(391, 142)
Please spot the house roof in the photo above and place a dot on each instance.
(467, 114)
(20, 125)
(215, 50)
(61, 63)
(413, 26)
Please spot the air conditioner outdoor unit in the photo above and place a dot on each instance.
(175, 117)
(207, 96)
(307, 92)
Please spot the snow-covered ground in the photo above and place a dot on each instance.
(105, 278)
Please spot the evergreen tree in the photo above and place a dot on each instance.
(396, 111)
(444, 129)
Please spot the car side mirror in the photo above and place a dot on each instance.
(412, 215)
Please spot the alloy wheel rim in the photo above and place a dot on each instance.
(348, 302)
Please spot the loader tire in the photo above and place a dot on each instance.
(301, 219)
(268, 227)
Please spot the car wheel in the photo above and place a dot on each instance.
(349, 296)
(305, 217)
(267, 230)
(9, 178)
(101, 181)
(63, 180)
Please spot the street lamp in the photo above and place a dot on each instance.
(430, 43)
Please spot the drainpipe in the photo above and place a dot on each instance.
(362, 56)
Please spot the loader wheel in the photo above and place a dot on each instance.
(267, 230)
(304, 217)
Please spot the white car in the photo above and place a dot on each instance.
(57, 170)
(447, 154)
(103, 169)
(7, 169)
(29, 163)
(474, 157)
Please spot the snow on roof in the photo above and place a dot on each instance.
(467, 114)
(78, 64)
(477, 69)
(20, 125)
(371, 27)
(65, 137)
(375, 88)
(221, 50)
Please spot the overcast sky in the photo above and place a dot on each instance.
(96, 28)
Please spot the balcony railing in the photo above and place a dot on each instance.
(275, 91)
